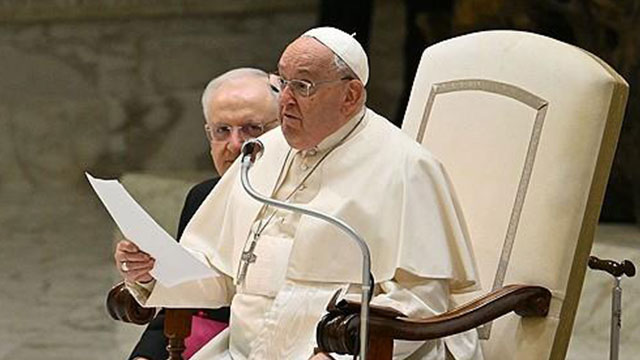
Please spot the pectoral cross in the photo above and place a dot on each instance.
(247, 257)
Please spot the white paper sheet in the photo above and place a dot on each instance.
(174, 264)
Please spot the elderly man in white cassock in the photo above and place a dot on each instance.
(334, 155)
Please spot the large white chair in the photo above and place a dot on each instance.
(526, 127)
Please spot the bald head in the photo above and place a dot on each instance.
(236, 106)
(249, 81)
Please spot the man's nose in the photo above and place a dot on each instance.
(235, 140)
(286, 96)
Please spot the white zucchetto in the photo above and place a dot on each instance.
(346, 47)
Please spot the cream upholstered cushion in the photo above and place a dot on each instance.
(526, 127)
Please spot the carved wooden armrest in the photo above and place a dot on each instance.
(122, 306)
(338, 330)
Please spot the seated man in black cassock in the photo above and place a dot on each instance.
(237, 105)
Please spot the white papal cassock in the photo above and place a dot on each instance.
(369, 174)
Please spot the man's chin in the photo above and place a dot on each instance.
(289, 131)
(291, 138)
(226, 164)
(295, 140)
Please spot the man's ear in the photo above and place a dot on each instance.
(353, 96)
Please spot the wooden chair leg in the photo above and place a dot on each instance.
(177, 327)
(380, 347)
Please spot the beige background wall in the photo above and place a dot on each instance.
(114, 86)
(121, 93)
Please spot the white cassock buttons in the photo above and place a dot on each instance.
(304, 167)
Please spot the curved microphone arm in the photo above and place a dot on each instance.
(251, 150)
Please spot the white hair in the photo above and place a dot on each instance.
(239, 73)
(344, 70)
(342, 67)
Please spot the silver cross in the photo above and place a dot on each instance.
(247, 257)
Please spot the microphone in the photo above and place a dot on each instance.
(252, 148)
(251, 151)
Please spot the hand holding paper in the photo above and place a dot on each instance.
(174, 264)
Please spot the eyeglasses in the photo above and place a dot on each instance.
(222, 132)
(304, 88)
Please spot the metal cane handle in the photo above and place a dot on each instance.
(614, 268)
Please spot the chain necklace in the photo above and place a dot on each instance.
(248, 256)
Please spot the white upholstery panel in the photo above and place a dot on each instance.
(514, 125)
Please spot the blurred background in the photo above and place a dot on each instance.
(113, 87)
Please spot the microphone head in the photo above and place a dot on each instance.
(252, 148)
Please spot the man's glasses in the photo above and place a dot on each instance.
(222, 132)
(304, 88)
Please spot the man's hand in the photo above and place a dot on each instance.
(321, 356)
(132, 263)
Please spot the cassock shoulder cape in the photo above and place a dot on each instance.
(385, 185)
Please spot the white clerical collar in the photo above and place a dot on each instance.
(337, 136)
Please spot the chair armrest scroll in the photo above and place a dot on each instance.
(122, 306)
(338, 330)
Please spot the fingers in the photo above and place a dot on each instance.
(321, 356)
(127, 247)
(128, 251)
(139, 271)
(136, 270)
(136, 266)
(132, 263)
(135, 257)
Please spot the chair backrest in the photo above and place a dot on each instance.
(526, 127)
